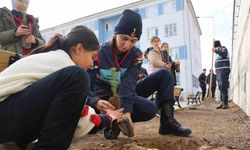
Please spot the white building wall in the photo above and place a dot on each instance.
(240, 74)
(188, 35)
(191, 34)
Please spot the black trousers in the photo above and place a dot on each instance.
(213, 88)
(203, 88)
(47, 110)
(161, 82)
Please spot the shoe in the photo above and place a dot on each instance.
(225, 107)
(113, 132)
(175, 130)
(126, 126)
(169, 125)
(220, 107)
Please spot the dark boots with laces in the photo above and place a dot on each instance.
(168, 125)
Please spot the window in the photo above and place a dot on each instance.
(108, 26)
(195, 82)
(170, 30)
(151, 11)
(169, 6)
(152, 32)
(178, 78)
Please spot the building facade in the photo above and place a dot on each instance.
(173, 21)
(240, 73)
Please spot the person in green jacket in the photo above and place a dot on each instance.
(19, 32)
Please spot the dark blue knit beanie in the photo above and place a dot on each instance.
(217, 43)
(130, 23)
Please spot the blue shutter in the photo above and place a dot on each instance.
(160, 9)
(142, 12)
(183, 52)
(179, 5)
(95, 25)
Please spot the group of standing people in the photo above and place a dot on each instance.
(158, 57)
(222, 68)
(42, 96)
(204, 80)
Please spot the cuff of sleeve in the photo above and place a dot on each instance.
(14, 33)
(36, 44)
(92, 102)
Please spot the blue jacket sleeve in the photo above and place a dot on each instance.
(127, 87)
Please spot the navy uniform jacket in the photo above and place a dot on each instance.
(202, 79)
(222, 63)
(127, 69)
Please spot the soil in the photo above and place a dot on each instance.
(212, 129)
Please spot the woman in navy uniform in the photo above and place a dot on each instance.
(121, 55)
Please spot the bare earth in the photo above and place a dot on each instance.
(212, 129)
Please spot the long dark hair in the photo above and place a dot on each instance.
(164, 43)
(79, 34)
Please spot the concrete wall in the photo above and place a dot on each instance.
(240, 74)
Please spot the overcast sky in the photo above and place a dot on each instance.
(215, 17)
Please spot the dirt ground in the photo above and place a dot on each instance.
(211, 130)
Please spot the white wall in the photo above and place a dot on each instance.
(187, 34)
(240, 74)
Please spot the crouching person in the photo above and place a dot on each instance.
(115, 73)
(42, 95)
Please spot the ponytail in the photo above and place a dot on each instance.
(79, 34)
(54, 43)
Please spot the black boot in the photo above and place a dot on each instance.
(168, 125)
(225, 103)
(220, 106)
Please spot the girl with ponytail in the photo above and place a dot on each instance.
(42, 95)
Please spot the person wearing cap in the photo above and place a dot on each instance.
(121, 55)
(19, 31)
(222, 68)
